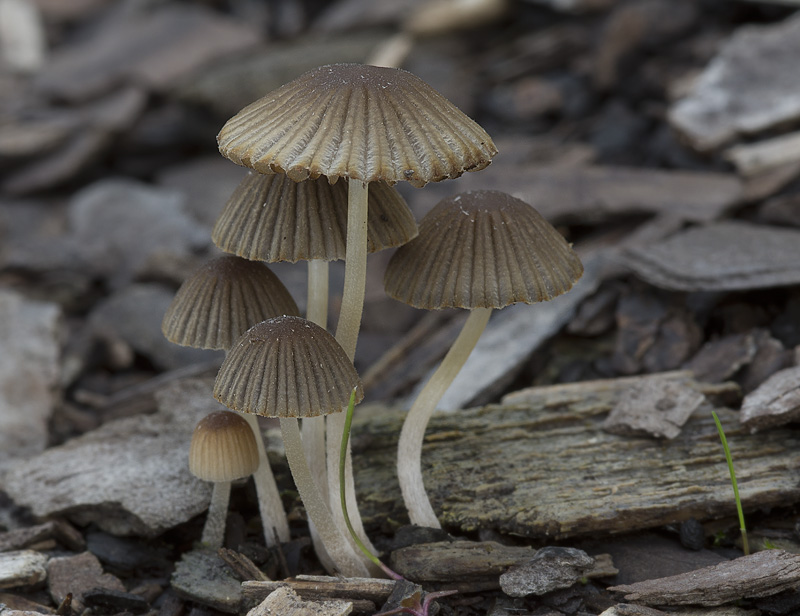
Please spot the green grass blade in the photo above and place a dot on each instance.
(742, 528)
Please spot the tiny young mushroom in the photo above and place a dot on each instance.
(223, 449)
(479, 250)
(363, 123)
(211, 310)
(288, 367)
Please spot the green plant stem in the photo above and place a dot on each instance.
(343, 498)
(742, 528)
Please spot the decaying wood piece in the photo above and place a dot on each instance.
(366, 594)
(284, 601)
(758, 575)
(754, 158)
(774, 403)
(545, 468)
(470, 566)
(723, 256)
(658, 407)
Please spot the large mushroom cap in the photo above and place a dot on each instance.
(482, 249)
(271, 218)
(357, 121)
(287, 367)
(223, 448)
(221, 300)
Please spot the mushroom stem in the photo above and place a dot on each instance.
(355, 275)
(214, 530)
(314, 427)
(336, 545)
(409, 448)
(270, 506)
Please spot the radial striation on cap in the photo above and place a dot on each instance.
(220, 301)
(482, 249)
(357, 121)
(223, 448)
(271, 218)
(287, 367)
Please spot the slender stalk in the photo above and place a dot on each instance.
(727, 450)
(273, 517)
(355, 274)
(409, 448)
(313, 428)
(343, 500)
(214, 530)
(336, 545)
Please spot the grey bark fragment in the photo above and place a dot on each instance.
(284, 601)
(202, 576)
(761, 574)
(550, 569)
(654, 406)
(776, 402)
(22, 568)
(30, 339)
(750, 86)
(724, 256)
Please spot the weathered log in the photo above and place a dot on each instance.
(544, 468)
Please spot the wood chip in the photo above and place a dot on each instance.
(654, 406)
(776, 402)
(762, 574)
(365, 594)
(751, 85)
(754, 158)
(724, 256)
(284, 601)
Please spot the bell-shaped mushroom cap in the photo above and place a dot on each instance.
(482, 249)
(287, 367)
(271, 218)
(356, 121)
(220, 301)
(223, 448)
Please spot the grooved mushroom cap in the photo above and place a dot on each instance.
(221, 300)
(223, 448)
(271, 218)
(287, 367)
(482, 249)
(356, 121)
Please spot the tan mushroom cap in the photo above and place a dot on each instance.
(271, 218)
(223, 448)
(287, 367)
(482, 249)
(356, 121)
(221, 300)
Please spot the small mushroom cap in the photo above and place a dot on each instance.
(287, 367)
(357, 121)
(221, 300)
(482, 249)
(271, 218)
(223, 448)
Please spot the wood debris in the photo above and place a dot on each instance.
(774, 403)
(286, 602)
(761, 574)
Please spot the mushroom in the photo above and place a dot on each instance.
(363, 123)
(272, 218)
(478, 250)
(288, 367)
(211, 310)
(223, 449)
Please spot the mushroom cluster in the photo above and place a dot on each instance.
(372, 127)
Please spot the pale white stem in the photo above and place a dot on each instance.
(313, 428)
(214, 530)
(409, 448)
(273, 517)
(355, 268)
(337, 547)
(355, 276)
(317, 301)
